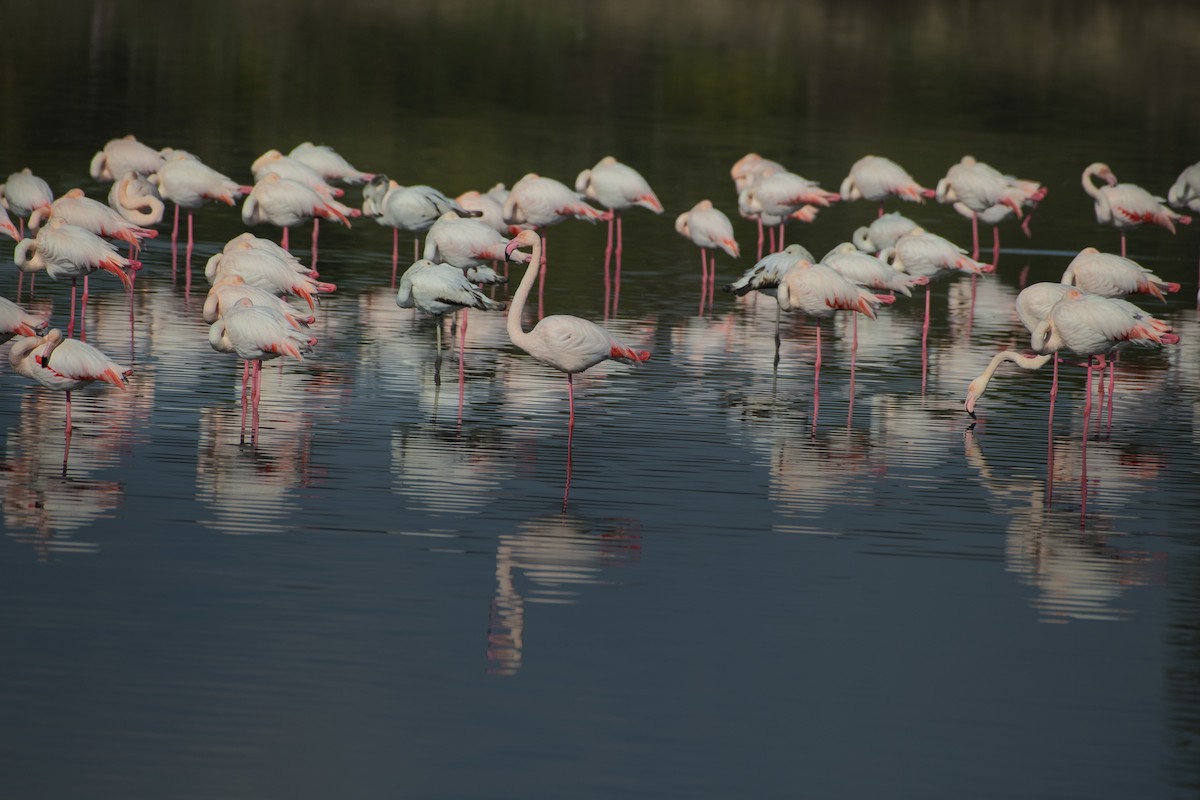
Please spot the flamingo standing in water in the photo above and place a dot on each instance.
(92, 215)
(883, 232)
(782, 195)
(536, 202)
(566, 343)
(22, 194)
(978, 187)
(280, 201)
(490, 206)
(189, 183)
(708, 228)
(438, 289)
(819, 291)
(766, 275)
(746, 171)
(876, 178)
(1126, 205)
(64, 365)
(68, 251)
(293, 169)
(615, 186)
(328, 163)
(1111, 275)
(122, 156)
(412, 208)
(256, 333)
(1185, 192)
(262, 263)
(16, 321)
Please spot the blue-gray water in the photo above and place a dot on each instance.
(385, 597)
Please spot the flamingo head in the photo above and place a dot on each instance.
(525, 238)
(53, 339)
(974, 390)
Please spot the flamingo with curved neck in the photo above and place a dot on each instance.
(1125, 205)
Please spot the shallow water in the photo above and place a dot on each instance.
(747, 592)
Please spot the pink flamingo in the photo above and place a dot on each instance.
(927, 254)
(566, 343)
(1111, 275)
(876, 178)
(536, 202)
(411, 208)
(268, 266)
(293, 169)
(7, 227)
(125, 155)
(22, 194)
(490, 206)
(329, 163)
(189, 183)
(883, 232)
(1185, 192)
(276, 200)
(752, 168)
(819, 292)
(615, 186)
(256, 333)
(230, 289)
(978, 187)
(68, 251)
(64, 365)
(92, 215)
(765, 277)
(748, 208)
(16, 321)
(708, 228)
(783, 194)
(136, 199)
(1090, 325)
(1126, 205)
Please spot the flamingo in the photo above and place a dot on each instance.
(1090, 325)
(876, 178)
(819, 291)
(92, 215)
(978, 187)
(466, 243)
(329, 163)
(751, 168)
(136, 199)
(1185, 192)
(1111, 275)
(748, 208)
(23, 193)
(882, 232)
(256, 333)
(1125, 205)
(538, 202)
(438, 289)
(120, 156)
(190, 183)
(766, 275)
(16, 321)
(566, 343)
(489, 206)
(265, 265)
(230, 289)
(869, 272)
(413, 208)
(64, 365)
(293, 169)
(7, 227)
(708, 228)
(616, 186)
(927, 254)
(68, 251)
(781, 194)
(279, 201)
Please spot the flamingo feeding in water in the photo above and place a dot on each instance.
(615, 186)
(708, 228)
(1126, 205)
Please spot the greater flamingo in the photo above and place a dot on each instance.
(283, 202)
(615, 186)
(1125, 205)
(293, 169)
(752, 167)
(438, 289)
(329, 163)
(64, 365)
(876, 178)
(23, 193)
(1111, 275)
(566, 343)
(538, 202)
(978, 187)
(765, 276)
(883, 232)
(708, 228)
(124, 155)
(489, 206)
(17, 321)
(68, 251)
(136, 199)
(1185, 192)
(230, 289)
(782, 194)
(189, 183)
(256, 333)
(412, 208)
(92, 215)
(264, 264)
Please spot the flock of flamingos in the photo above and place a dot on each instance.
(467, 237)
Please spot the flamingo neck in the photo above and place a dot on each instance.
(517, 306)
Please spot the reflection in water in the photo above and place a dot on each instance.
(550, 560)
(1078, 574)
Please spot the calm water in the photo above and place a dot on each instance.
(746, 595)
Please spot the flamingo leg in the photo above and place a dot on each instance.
(1112, 385)
(416, 248)
(245, 385)
(617, 275)
(712, 280)
(777, 316)
(284, 241)
(315, 233)
(781, 227)
(760, 239)
(187, 261)
(257, 397)
(71, 322)
(175, 230)
(608, 251)
(570, 402)
(996, 246)
(570, 436)
(462, 346)
(703, 279)
(817, 379)
(83, 311)
(1087, 405)
(67, 437)
(395, 254)
(974, 236)
(853, 360)
(1122, 244)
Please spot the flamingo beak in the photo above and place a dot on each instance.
(509, 248)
